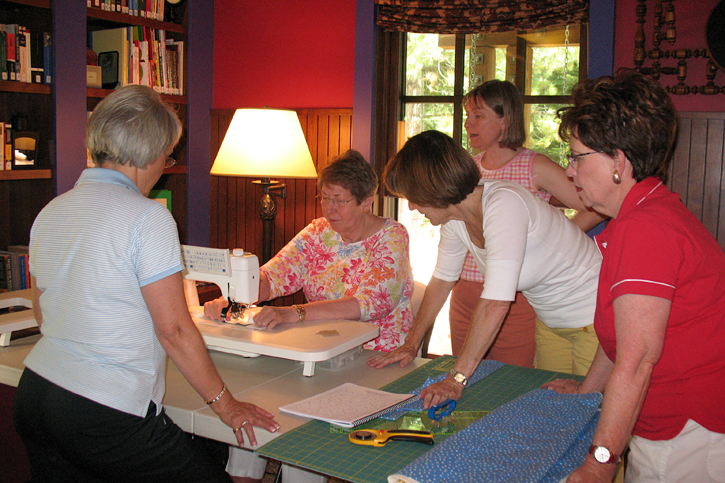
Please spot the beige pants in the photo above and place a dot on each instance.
(565, 350)
(695, 455)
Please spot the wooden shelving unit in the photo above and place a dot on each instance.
(58, 113)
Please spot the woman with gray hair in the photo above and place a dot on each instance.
(108, 297)
(351, 264)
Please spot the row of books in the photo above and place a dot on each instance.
(14, 269)
(153, 9)
(24, 56)
(143, 55)
(6, 146)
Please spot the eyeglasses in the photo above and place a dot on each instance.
(574, 158)
(335, 203)
(169, 162)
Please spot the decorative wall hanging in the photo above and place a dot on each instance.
(664, 31)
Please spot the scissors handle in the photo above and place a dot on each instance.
(446, 408)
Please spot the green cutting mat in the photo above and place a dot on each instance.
(315, 447)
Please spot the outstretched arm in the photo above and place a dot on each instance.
(485, 324)
(183, 343)
(549, 176)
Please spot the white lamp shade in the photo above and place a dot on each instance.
(264, 143)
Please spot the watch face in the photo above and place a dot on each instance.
(459, 377)
(602, 454)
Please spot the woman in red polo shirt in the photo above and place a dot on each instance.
(660, 313)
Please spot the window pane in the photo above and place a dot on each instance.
(421, 117)
(543, 126)
(430, 63)
(553, 61)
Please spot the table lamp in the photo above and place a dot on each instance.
(265, 143)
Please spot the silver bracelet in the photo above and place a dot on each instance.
(218, 396)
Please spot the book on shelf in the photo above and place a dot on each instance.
(25, 56)
(6, 277)
(348, 405)
(8, 146)
(47, 59)
(3, 54)
(37, 59)
(2, 144)
(145, 56)
(10, 49)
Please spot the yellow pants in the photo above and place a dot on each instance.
(565, 350)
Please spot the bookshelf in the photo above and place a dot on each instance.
(58, 113)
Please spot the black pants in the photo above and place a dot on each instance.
(70, 438)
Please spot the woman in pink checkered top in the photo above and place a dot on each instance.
(495, 126)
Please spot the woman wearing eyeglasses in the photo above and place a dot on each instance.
(661, 304)
(519, 242)
(351, 264)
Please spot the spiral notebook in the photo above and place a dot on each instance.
(348, 405)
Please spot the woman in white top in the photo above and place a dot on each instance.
(519, 242)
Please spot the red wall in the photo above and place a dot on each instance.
(283, 53)
(690, 20)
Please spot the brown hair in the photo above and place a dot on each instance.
(432, 170)
(629, 112)
(505, 100)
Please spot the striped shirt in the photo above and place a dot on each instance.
(520, 170)
(91, 251)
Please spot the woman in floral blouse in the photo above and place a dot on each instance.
(351, 264)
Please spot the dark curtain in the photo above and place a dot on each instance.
(478, 16)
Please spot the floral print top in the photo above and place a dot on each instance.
(376, 271)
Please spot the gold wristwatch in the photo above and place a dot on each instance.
(459, 377)
(301, 313)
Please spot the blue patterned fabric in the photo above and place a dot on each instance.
(541, 436)
(484, 369)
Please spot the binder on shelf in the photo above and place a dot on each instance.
(111, 40)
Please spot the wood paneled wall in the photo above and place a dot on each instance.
(696, 172)
(235, 221)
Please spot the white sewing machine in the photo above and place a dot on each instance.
(237, 275)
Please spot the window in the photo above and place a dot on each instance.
(438, 70)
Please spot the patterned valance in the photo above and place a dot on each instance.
(477, 16)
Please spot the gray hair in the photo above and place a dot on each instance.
(132, 125)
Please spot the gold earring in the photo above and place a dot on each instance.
(616, 178)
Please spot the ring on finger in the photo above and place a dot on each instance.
(236, 429)
(244, 423)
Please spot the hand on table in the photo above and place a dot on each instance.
(270, 316)
(564, 386)
(213, 309)
(243, 416)
(440, 391)
(405, 354)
